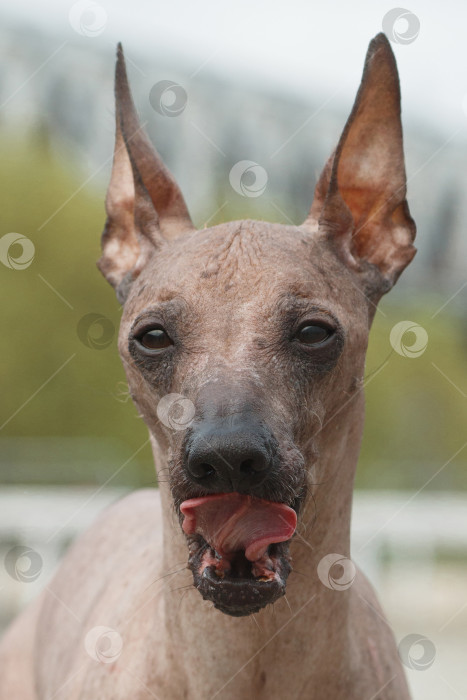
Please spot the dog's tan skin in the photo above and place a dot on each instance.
(231, 298)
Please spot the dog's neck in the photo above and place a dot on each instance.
(309, 607)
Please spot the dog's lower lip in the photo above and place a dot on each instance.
(246, 587)
(238, 597)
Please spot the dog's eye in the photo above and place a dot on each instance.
(313, 334)
(155, 339)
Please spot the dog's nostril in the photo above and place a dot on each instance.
(202, 470)
(253, 466)
(247, 467)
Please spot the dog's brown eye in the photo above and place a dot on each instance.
(314, 335)
(155, 339)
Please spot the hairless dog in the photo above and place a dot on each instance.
(244, 347)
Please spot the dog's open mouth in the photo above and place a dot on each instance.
(238, 549)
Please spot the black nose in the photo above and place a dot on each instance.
(227, 457)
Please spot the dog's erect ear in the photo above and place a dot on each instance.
(360, 199)
(144, 205)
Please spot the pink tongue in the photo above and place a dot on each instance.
(231, 522)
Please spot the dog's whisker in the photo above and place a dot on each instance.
(182, 597)
(169, 574)
(288, 604)
(181, 588)
(253, 616)
(300, 573)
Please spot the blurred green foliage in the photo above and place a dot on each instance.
(54, 386)
(416, 408)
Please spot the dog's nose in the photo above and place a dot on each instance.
(225, 459)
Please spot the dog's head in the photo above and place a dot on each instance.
(244, 343)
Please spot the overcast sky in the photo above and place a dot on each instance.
(313, 48)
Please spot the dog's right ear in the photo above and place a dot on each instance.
(145, 207)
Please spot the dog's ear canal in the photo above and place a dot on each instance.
(145, 207)
(360, 199)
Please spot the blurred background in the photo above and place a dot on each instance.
(215, 84)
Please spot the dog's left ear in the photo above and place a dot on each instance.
(360, 199)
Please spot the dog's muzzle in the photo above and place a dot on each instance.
(231, 512)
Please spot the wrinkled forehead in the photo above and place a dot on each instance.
(245, 266)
